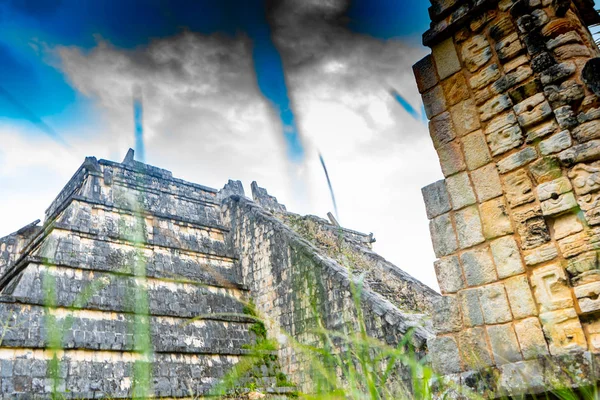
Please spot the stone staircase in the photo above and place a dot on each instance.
(131, 271)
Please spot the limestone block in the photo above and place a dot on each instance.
(443, 237)
(532, 110)
(515, 63)
(525, 91)
(465, 117)
(589, 151)
(505, 139)
(517, 160)
(494, 304)
(556, 143)
(571, 50)
(557, 73)
(553, 189)
(564, 331)
(561, 203)
(518, 187)
(502, 28)
(434, 101)
(447, 316)
(494, 217)
(470, 307)
(444, 355)
(486, 182)
(425, 74)
(520, 296)
(534, 42)
(485, 77)
(494, 106)
(476, 150)
(550, 288)
(565, 38)
(460, 190)
(593, 331)
(566, 93)
(503, 341)
(501, 121)
(455, 89)
(529, 22)
(588, 297)
(545, 252)
(542, 61)
(446, 59)
(531, 226)
(545, 169)
(541, 130)
(510, 80)
(589, 115)
(579, 243)
(585, 178)
(441, 129)
(478, 266)
(476, 52)
(507, 257)
(590, 205)
(473, 347)
(449, 274)
(509, 47)
(565, 225)
(483, 95)
(451, 158)
(587, 131)
(557, 27)
(468, 227)
(565, 117)
(481, 20)
(531, 338)
(582, 263)
(521, 377)
(436, 199)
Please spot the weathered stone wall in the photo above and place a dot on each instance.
(514, 119)
(292, 283)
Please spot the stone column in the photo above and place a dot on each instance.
(515, 224)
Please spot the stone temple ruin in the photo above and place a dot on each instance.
(512, 93)
(139, 268)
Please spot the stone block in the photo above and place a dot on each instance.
(587, 131)
(581, 264)
(443, 237)
(554, 188)
(571, 50)
(557, 73)
(444, 355)
(507, 257)
(564, 331)
(516, 160)
(460, 190)
(473, 347)
(545, 252)
(437, 201)
(531, 226)
(561, 203)
(532, 110)
(449, 274)
(455, 89)
(509, 47)
(539, 131)
(446, 59)
(542, 61)
(485, 77)
(425, 74)
(501, 121)
(470, 307)
(465, 117)
(534, 42)
(588, 297)
(476, 150)
(588, 115)
(494, 304)
(515, 63)
(579, 243)
(468, 227)
(510, 80)
(502, 28)
(441, 129)
(494, 217)
(525, 91)
(476, 52)
(521, 377)
(520, 296)
(585, 178)
(505, 139)
(545, 169)
(565, 38)
(478, 267)
(556, 143)
(451, 158)
(483, 95)
(518, 188)
(589, 151)
(494, 106)
(434, 102)
(550, 288)
(566, 93)
(531, 338)
(565, 117)
(565, 225)
(486, 182)
(590, 205)
(503, 341)
(593, 331)
(447, 316)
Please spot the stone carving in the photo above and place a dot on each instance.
(476, 52)
(518, 188)
(550, 288)
(564, 330)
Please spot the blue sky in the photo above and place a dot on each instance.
(32, 75)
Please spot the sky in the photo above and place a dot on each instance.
(246, 89)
